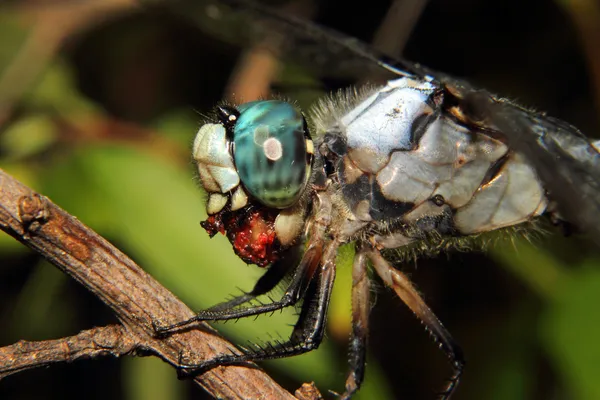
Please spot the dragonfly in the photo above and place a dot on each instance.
(419, 163)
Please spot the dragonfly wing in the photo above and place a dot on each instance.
(324, 51)
(565, 160)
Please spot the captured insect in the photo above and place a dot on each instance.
(412, 165)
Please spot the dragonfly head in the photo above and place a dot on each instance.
(255, 164)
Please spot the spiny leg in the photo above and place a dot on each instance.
(360, 324)
(274, 275)
(230, 310)
(301, 277)
(403, 287)
(308, 331)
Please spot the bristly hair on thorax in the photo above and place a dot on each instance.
(435, 244)
(327, 111)
(331, 108)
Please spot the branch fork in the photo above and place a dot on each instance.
(138, 300)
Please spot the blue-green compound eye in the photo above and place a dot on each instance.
(272, 154)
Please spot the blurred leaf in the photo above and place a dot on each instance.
(12, 36)
(40, 311)
(570, 329)
(179, 125)
(507, 366)
(151, 378)
(70, 183)
(8, 245)
(340, 309)
(532, 264)
(28, 136)
(56, 90)
(375, 385)
(152, 209)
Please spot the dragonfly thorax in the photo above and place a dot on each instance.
(405, 165)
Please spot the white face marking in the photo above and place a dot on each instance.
(273, 149)
(239, 199)
(216, 202)
(310, 148)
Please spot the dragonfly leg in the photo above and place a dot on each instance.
(271, 278)
(403, 287)
(300, 280)
(230, 310)
(274, 275)
(308, 331)
(360, 324)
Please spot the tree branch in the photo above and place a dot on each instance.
(138, 301)
(24, 355)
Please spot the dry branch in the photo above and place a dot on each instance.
(139, 302)
(24, 355)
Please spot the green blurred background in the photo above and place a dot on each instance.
(99, 104)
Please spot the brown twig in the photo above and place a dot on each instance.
(260, 64)
(102, 341)
(139, 302)
(308, 391)
(50, 26)
(394, 31)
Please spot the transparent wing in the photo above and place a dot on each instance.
(566, 161)
(324, 51)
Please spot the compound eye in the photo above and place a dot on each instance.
(270, 152)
